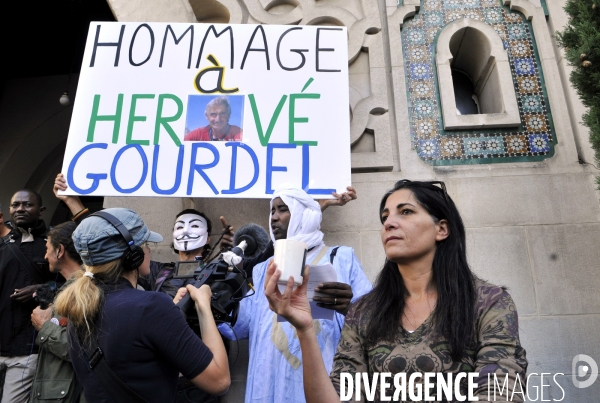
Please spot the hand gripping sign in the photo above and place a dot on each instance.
(210, 111)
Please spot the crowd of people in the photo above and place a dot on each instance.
(112, 331)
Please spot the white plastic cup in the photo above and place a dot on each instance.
(290, 257)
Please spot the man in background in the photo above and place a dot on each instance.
(22, 269)
(55, 378)
(274, 369)
(4, 228)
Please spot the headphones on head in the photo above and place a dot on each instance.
(134, 255)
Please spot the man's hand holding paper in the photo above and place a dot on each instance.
(324, 293)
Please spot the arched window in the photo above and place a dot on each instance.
(467, 101)
(476, 87)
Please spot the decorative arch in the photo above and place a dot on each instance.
(475, 49)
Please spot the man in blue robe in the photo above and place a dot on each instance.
(275, 365)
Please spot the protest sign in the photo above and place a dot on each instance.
(199, 110)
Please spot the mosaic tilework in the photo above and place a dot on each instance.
(532, 141)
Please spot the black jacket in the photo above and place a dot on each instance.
(16, 330)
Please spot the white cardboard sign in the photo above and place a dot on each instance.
(199, 110)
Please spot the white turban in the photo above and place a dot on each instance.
(305, 220)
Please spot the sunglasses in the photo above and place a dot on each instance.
(439, 185)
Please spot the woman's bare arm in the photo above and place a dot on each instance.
(215, 379)
(294, 306)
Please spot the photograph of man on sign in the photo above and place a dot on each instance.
(220, 121)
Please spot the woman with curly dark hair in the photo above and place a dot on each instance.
(428, 313)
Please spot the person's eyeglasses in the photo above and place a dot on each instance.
(442, 187)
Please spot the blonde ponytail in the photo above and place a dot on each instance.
(81, 301)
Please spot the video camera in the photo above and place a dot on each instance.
(228, 284)
(44, 294)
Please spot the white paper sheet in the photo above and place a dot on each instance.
(323, 273)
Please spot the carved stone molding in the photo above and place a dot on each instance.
(152, 10)
(370, 124)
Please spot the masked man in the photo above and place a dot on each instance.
(274, 369)
(190, 241)
(190, 231)
(191, 237)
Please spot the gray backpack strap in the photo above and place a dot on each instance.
(319, 255)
